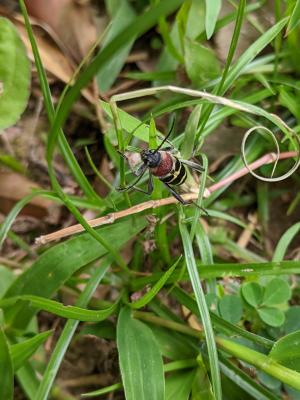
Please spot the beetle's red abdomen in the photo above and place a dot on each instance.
(165, 165)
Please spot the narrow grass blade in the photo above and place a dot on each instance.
(63, 144)
(156, 288)
(12, 215)
(68, 332)
(294, 18)
(284, 242)
(140, 359)
(204, 313)
(6, 369)
(212, 10)
(61, 310)
(21, 352)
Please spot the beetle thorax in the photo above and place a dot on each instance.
(151, 158)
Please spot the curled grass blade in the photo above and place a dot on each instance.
(68, 332)
(203, 310)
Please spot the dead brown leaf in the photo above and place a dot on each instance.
(14, 187)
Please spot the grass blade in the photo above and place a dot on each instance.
(213, 8)
(140, 359)
(61, 310)
(62, 141)
(204, 313)
(6, 369)
(21, 352)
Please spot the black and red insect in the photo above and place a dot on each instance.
(165, 166)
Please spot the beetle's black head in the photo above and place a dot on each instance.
(151, 158)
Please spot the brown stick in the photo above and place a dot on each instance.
(112, 217)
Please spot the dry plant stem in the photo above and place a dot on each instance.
(112, 217)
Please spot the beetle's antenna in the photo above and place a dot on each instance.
(167, 136)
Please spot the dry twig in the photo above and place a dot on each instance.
(112, 217)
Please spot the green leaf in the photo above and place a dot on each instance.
(231, 308)
(292, 320)
(294, 19)
(61, 310)
(201, 389)
(277, 291)
(286, 351)
(271, 316)
(14, 74)
(173, 345)
(6, 278)
(203, 310)
(179, 385)
(213, 8)
(6, 369)
(124, 16)
(140, 359)
(21, 352)
(69, 330)
(57, 264)
(252, 52)
(253, 293)
(200, 62)
(285, 241)
(156, 288)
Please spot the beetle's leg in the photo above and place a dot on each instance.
(141, 171)
(192, 165)
(175, 194)
(150, 186)
(182, 201)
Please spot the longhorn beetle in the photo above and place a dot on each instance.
(162, 164)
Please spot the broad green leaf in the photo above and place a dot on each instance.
(179, 385)
(57, 264)
(6, 278)
(271, 316)
(231, 308)
(213, 8)
(285, 241)
(61, 310)
(124, 16)
(292, 320)
(140, 359)
(156, 288)
(21, 352)
(6, 369)
(277, 291)
(294, 19)
(253, 293)
(200, 62)
(14, 74)
(286, 351)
